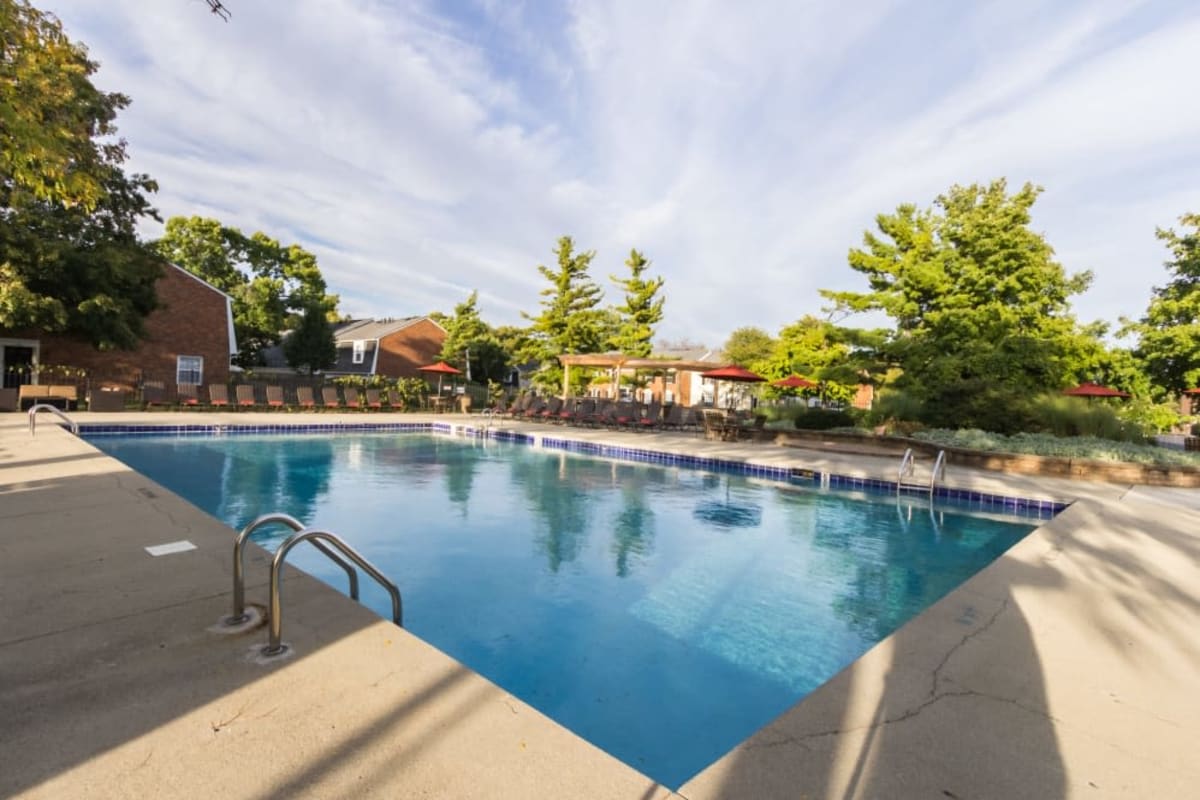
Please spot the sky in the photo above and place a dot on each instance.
(425, 150)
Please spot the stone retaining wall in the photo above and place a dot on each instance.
(1074, 468)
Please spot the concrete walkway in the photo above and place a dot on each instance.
(1070, 667)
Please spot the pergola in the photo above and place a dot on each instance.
(616, 363)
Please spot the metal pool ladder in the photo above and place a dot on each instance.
(328, 543)
(57, 412)
(907, 467)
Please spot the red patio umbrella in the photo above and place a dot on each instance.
(794, 381)
(1090, 390)
(731, 373)
(442, 369)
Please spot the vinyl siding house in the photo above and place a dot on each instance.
(189, 339)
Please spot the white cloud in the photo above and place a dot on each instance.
(743, 148)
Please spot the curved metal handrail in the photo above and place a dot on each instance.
(275, 645)
(906, 468)
(36, 407)
(939, 466)
(239, 614)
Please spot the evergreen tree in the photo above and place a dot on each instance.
(467, 333)
(642, 310)
(311, 346)
(571, 320)
(1169, 333)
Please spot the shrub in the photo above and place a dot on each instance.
(1073, 416)
(1149, 418)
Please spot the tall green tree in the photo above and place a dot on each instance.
(1169, 333)
(641, 311)
(571, 320)
(748, 345)
(311, 346)
(981, 308)
(271, 284)
(70, 260)
(472, 345)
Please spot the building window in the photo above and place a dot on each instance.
(189, 370)
(360, 351)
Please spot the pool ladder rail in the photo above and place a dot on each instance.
(326, 542)
(907, 470)
(58, 412)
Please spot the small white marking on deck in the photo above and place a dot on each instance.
(182, 546)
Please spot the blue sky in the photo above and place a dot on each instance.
(424, 150)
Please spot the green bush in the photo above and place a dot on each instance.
(892, 405)
(1074, 416)
(1148, 417)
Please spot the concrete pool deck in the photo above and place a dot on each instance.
(1069, 667)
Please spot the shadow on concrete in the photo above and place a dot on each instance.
(956, 703)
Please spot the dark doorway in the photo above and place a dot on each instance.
(18, 365)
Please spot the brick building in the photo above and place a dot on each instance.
(189, 339)
(393, 348)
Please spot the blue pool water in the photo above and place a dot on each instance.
(662, 613)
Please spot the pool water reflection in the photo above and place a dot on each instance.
(662, 613)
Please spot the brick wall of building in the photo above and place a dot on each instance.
(191, 320)
(415, 346)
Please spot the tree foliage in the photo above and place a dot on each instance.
(641, 311)
(1169, 333)
(311, 346)
(70, 260)
(980, 306)
(467, 333)
(571, 320)
(748, 345)
(271, 284)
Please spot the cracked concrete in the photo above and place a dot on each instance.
(1069, 667)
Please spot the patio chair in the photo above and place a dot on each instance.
(673, 421)
(652, 418)
(352, 399)
(245, 394)
(550, 411)
(714, 424)
(627, 414)
(329, 397)
(583, 410)
(374, 399)
(693, 419)
(218, 394)
(275, 396)
(154, 393)
(605, 414)
(518, 407)
(533, 409)
(187, 393)
(304, 397)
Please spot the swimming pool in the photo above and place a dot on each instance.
(662, 613)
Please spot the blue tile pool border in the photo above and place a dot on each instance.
(1020, 506)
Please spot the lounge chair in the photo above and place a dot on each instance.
(653, 417)
(187, 393)
(673, 421)
(275, 396)
(245, 394)
(154, 393)
(583, 410)
(627, 414)
(519, 406)
(605, 414)
(352, 400)
(550, 412)
(374, 399)
(218, 394)
(329, 397)
(304, 397)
